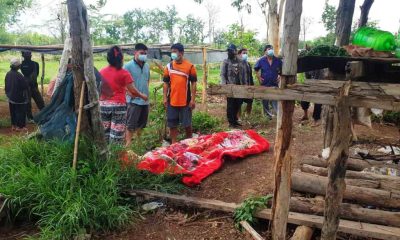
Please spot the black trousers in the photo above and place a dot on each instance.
(317, 109)
(18, 115)
(34, 93)
(232, 109)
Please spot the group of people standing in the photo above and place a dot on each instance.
(124, 103)
(20, 88)
(124, 90)
(237, 70)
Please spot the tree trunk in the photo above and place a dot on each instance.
(314, 184)
(352, 163)
(365, 12)
(344, 19)
(273, 25)
(389, 183)
(347, 211)
(283, 160)
(83, 70)
(302, 233)
(63, 62)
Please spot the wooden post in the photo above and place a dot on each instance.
(337, 164)
(43, 72)
(83, 70)
(283, 160)
(63, 62)
(205, 76)
(78, 126)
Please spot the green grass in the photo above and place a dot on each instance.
(37, 179)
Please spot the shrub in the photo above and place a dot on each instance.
(204, 123)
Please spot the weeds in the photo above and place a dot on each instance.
(247, 209)
(37, 179)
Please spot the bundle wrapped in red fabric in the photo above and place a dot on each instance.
(197, 158)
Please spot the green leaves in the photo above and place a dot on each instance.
(246, 211)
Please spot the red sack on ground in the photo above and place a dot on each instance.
(197, 158)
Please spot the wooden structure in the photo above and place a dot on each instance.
(340, 96)
(356, 228)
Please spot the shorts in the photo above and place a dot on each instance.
(136, 116)
(248, 100)
(179, 116)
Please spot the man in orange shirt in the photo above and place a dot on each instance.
(180, 79)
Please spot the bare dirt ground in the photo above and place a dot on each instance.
(234, 182)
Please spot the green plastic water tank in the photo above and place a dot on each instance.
(376, 39)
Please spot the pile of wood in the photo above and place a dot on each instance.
(368, 197)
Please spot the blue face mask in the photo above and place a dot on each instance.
(174, 56)
(142, 57)
(244, 57)
(270, 52)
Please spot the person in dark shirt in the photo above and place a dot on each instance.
(16, 92)
(316, 74)
(232, 72)
(268, 69)
(30, 69)
(243, 54)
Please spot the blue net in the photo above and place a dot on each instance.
(58, 119)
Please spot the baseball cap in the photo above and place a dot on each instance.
(232, 47)
(15, 62)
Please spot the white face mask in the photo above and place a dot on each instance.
(244, 57)
(270, 52)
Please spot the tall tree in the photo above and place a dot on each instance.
(273, 19)
(155, 27)
(58, 24)
(365, 12)
(344, 19)
(170, 19)
(305, 25)
(212, 14)
(191, 30)
(10, 10)
(329, 17)
(135, 22)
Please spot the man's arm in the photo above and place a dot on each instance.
(192, 104)
(223, 76)
(165, 93)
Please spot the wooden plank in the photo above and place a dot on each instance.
(295, 92)
(352, 164)
(390, 183)
(347, 211)
(309, 183)
(345, 226)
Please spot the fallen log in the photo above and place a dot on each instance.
(302, 233)
(347, 211)
(345, 226)
(251, 230)
(352, 163)
(390, 183)
(309, 183)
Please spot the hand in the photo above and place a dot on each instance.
(192, 104)
(165, 102)
(144, 97)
